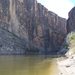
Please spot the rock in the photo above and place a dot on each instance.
(10, 43)
(73, 57)
(71, 20)
(67, 66)
(41, 29)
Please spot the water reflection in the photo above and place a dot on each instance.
(28, 65)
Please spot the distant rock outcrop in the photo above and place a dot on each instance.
(31, 21)
(71, 20)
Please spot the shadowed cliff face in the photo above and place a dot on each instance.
(10, 43)
(71, 20)
(31, 21)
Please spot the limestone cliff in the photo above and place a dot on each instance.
(71, 20)
(10, 43)
(31, 21)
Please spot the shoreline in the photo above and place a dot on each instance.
(67, 66)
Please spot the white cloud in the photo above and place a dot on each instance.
(60, 7)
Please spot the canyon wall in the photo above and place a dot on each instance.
(10, 43)
(39, 28)
(71, 20)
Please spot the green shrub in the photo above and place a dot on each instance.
(31, 50)
(64, 44)
(71, 41)
(68, 44)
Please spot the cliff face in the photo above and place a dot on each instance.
(10, 43)
(31, 21)
(71, 20)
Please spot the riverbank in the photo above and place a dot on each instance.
(67, 66)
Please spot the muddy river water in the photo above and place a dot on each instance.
(28, 65)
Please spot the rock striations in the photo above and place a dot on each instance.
(71, 20)
(10, 43)
(41, 29)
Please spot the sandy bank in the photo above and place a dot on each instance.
(67, 66)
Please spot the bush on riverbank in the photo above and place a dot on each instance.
(32, 50)
(71, 41)
(68, 44)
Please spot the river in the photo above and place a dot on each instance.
(28, 65)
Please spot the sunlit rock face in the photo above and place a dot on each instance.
(71, 20)
(41, 29)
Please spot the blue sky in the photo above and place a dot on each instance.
(60, 7)
(73, 1)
